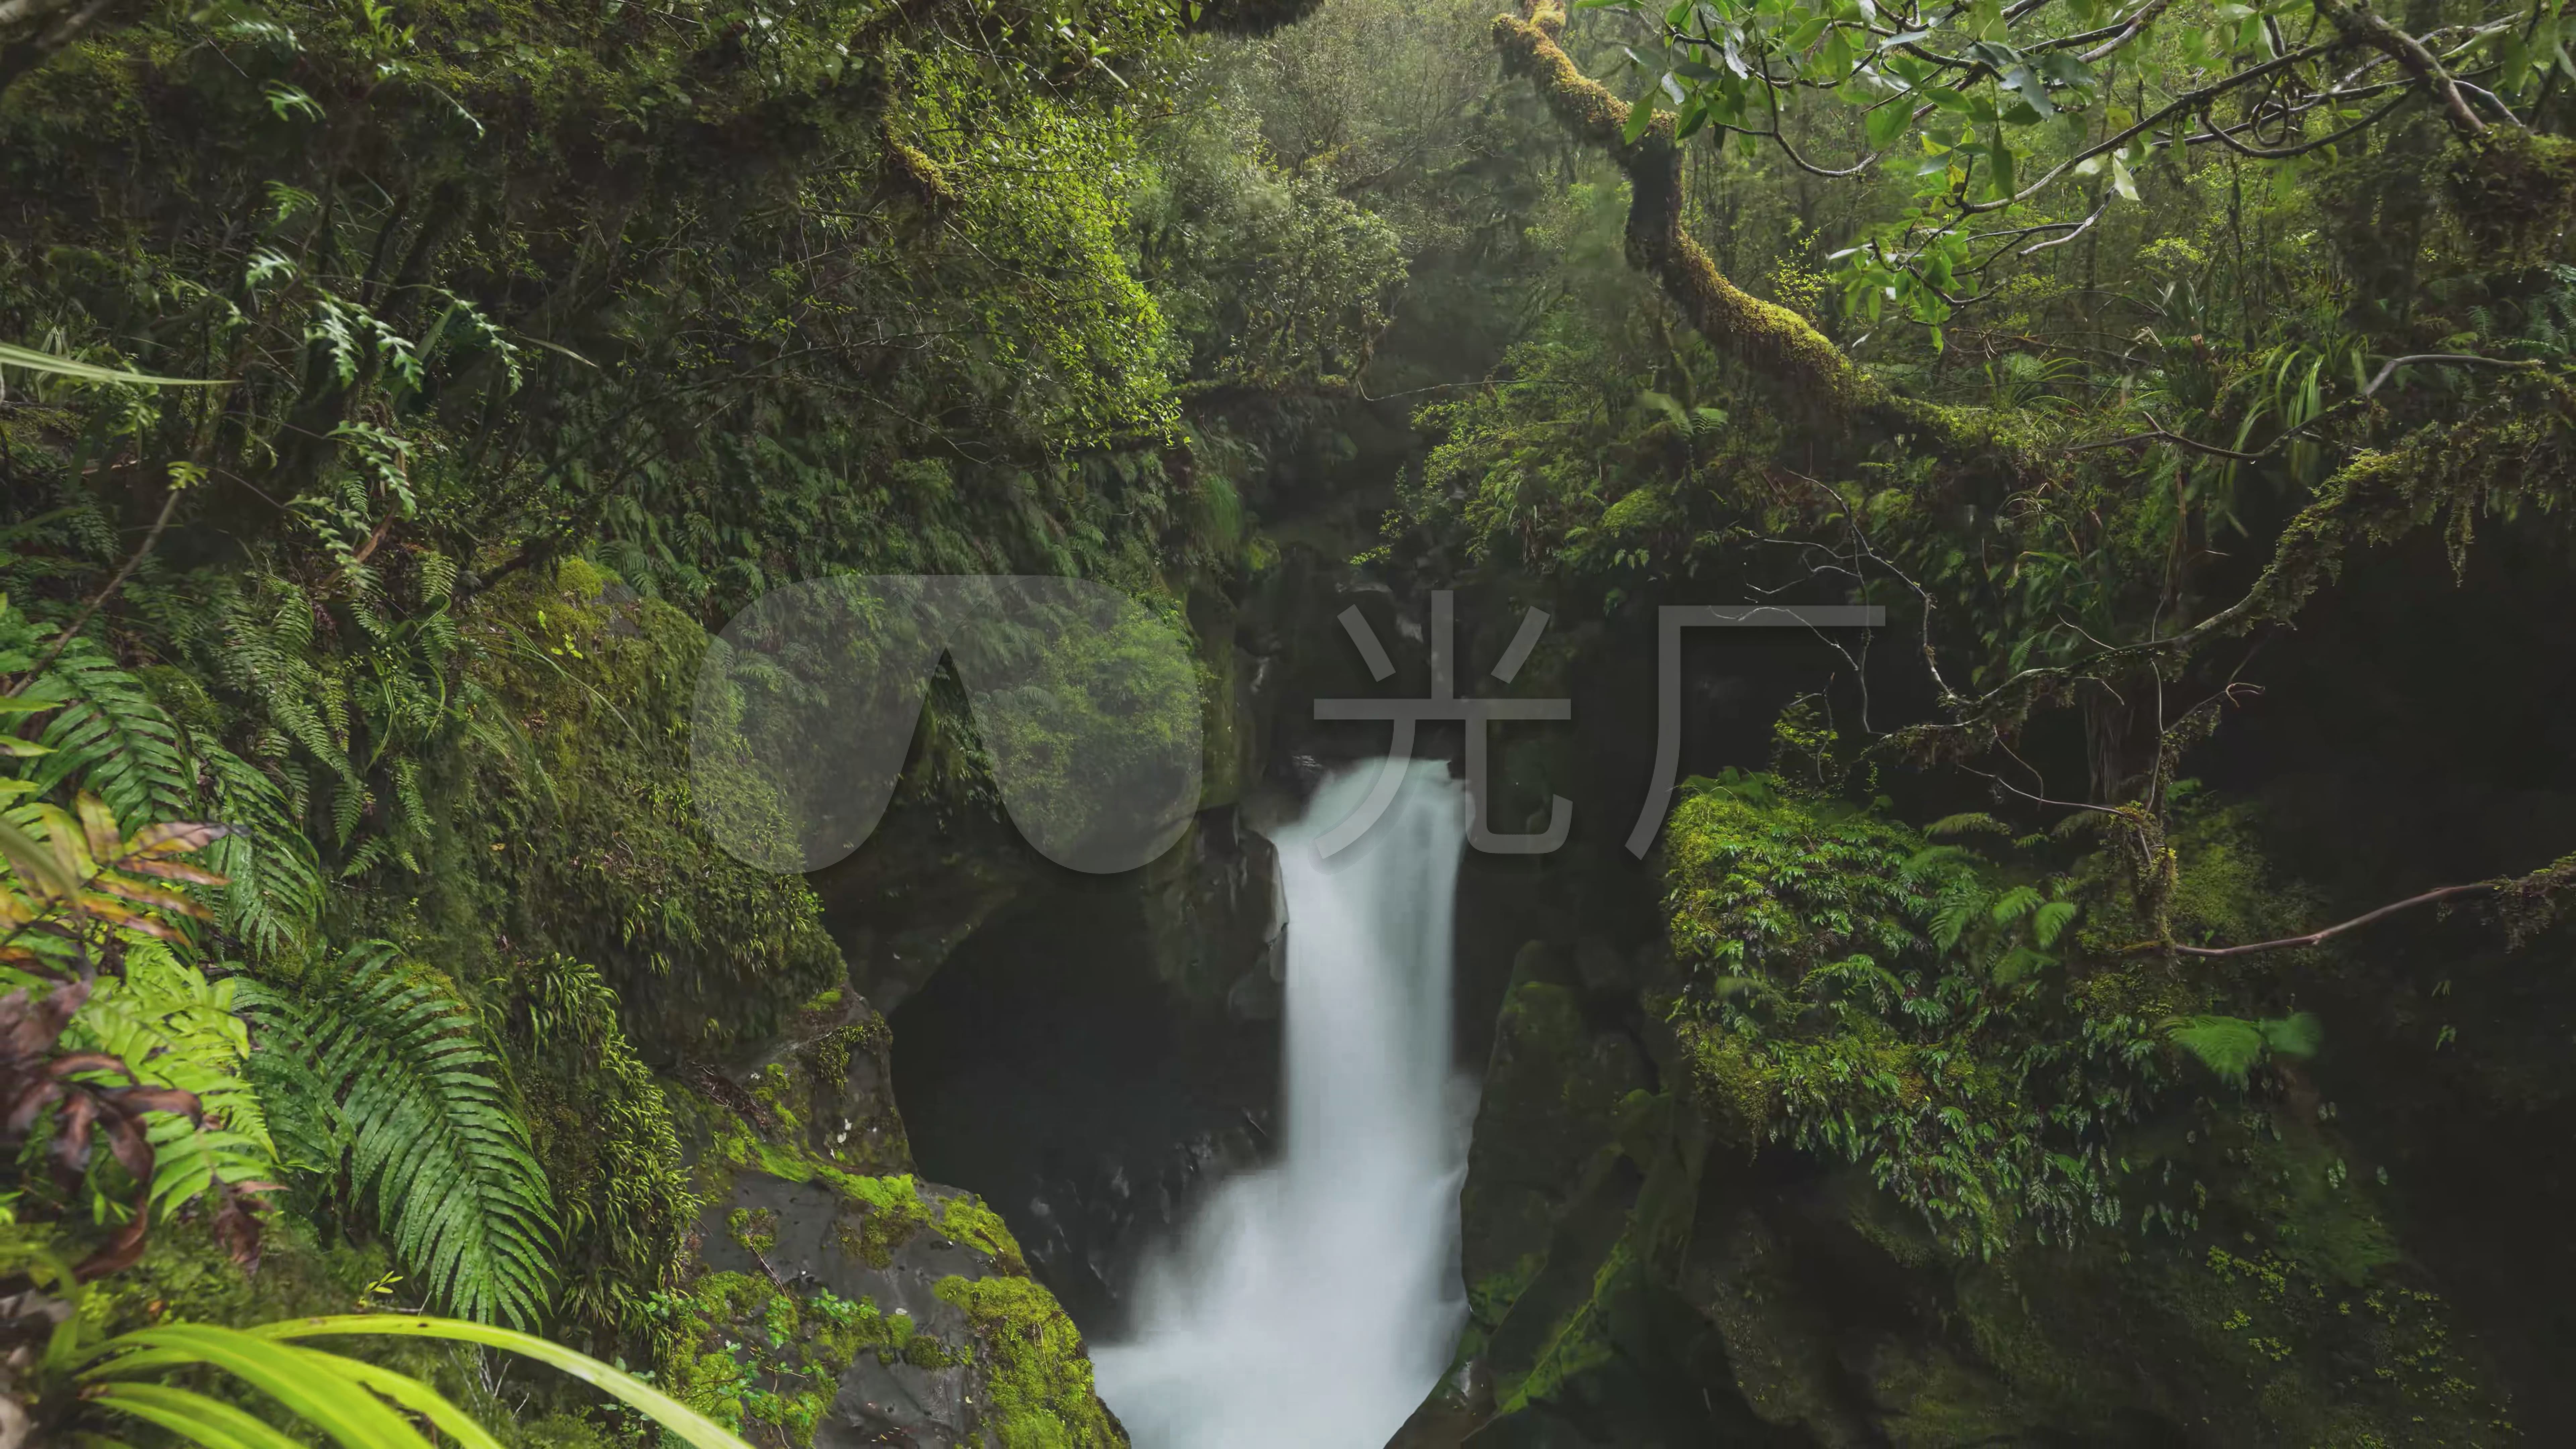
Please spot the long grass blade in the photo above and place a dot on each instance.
(670, 1413)
(195, 1418)
(33, 361)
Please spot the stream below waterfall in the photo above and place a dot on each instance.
(1315, 1302)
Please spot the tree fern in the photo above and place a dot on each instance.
(392, 1083)
(2232, 1047)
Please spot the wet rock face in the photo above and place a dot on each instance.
(834, 1070)
(1214, 923)
(925, 882)
(1054, 1067)
(1083, 1228)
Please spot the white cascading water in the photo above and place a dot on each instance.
(1314, 1303)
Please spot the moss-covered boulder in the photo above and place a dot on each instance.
(839, 1300)
(1769, 1192)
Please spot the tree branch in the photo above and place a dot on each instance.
(2358, 23)
(1774, 343)
(2316, 938)
(2529, 905)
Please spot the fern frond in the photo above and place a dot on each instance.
(2227, 1045)
(414, 1109)
(2014, 904)
(1962, 901)
(275, 896)
(110, 739)
(2049, 920)
(1976, 820)
(174, 1028)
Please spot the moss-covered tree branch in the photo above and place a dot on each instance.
(1772, 342)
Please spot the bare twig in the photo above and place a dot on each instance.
(2316, 938)
(63, 640)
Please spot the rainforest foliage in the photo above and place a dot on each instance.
(393, 396)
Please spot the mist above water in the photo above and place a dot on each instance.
(1314, 1303)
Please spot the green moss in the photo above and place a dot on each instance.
(755, 1229)
(1039, 1386)
(829, 1058)
(2512, 192)
(766, 1362)
(590, 749)
(969, 1221)
(892, 1213)
(1861, 992)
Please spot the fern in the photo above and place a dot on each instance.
(274, 899)
(394, 1083)
(174, 1028)
(1961, 901)
(2049, 920)
(111, 739)
(2232, 1047)
(1964, 824)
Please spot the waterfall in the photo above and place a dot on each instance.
(1314, 1303)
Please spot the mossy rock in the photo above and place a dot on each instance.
(841, 1301)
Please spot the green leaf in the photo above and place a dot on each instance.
(2121, 181)
(2000, 154)
(1886, 124)
(332, 1404)
(45, 362)
(31, 858)
(193, 1417)
(2024, 82)
(1640, 115)
(410, 1394)
(671, 1414)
